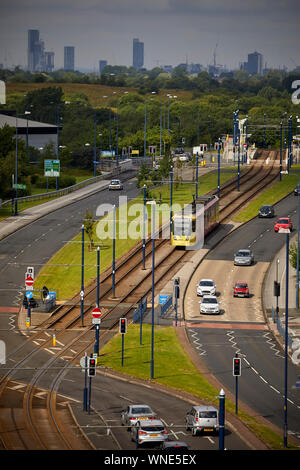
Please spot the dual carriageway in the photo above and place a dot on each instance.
(34, 413)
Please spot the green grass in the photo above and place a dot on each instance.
(269, 197)
(173, 368)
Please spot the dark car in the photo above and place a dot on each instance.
(266, 211)
(172, 446)
(297, 190)
(241, 289)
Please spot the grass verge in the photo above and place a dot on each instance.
(269, 197)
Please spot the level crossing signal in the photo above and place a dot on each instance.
(236, 366)
(92, 367)
(123, 325)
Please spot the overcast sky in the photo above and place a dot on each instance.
(173, 31)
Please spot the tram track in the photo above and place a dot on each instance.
(133, 283)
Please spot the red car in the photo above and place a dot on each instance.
(283, 222)
(241, 289)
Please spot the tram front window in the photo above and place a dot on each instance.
(182, 227)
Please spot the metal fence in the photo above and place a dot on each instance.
(62, 192)
(281, 327)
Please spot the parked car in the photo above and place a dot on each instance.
(134, 413)
(209, 304)
(206, 287)
(297, 190)
(243, 257)
(266, 211)
(202, 419)
(241, 289)
(283, 222)
(149, 430)
(115, 184)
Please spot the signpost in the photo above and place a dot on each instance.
(96, 321)
(29, 281)
(52, 168)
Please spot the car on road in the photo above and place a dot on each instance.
(297, 190)
(149, 431)
(172, 446)
(243, 257)
(241, 289)
(202, 419)
(206, 287)
(209, 304)
(266, 211)
(283, 222)
(115, 185)
(134, 413)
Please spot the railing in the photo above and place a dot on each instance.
(140, 310)
(166, 305)
(281, 327)
(64, 191)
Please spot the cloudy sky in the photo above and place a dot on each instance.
(173, 31)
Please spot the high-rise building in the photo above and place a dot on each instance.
(49, 61)
(102, 64)
(34, 49)
(38, 59)
(138, 54)
(254, 64)
(69, 58)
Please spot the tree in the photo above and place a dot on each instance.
(89, 227)
(293, 255)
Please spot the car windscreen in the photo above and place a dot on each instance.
(243, 253)
(138, 411)
(206, 283)
(207, 414)
(283, 221)
(209, 301)
(241, 286)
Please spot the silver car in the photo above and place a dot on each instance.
(149, 430)
(202, 419)
(133, 413)
(115, 184)
(243, 257)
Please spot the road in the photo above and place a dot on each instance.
(241, 326)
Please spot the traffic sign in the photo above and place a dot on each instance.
(19, 186)
(96, 312)
(29, 294)
(29, 281)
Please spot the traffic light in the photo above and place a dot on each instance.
(123, 325)
(236, 366)
(92, 367)
(176, 288)
(276, 289)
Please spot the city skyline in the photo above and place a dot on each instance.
(172, 32)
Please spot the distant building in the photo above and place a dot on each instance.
(102, 64)
(69, 58)
(49, 62)
(138, 54)
(37, 59)
(254, 64)
(35, 50)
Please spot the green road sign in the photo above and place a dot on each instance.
(19, 186)
(51, 168)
